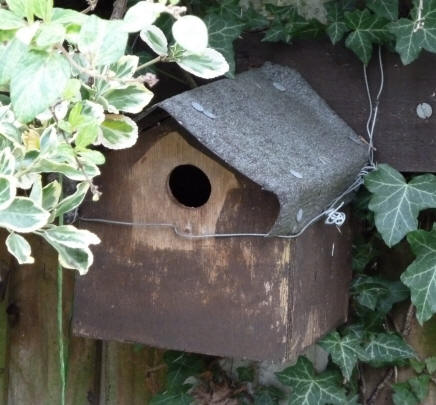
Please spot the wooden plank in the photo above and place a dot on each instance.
(131, 374)
(402, 139)
(33, 352)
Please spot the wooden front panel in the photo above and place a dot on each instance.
(222, 296)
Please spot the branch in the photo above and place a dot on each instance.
(119, 9)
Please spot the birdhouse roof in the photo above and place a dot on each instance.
(272, 127)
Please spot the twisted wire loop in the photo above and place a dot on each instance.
(333, 215)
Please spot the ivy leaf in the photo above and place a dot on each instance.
(276, 33)
(102, 41)
(345, 351)
(430, 363)
(408, 40)
(23, 215)
(32, 90)
(118, 132)
(337, 27)
(9, 21)
(208, 65)
(377, 293)
(363, 254)
(222, 34)
(19, 248)
(309, 388)
(246, 374)
(403, 395)
(131, 99)
(384, 8)
(268, 395)
(396, 203)
(420, 276)
(420, 386)
(387, 348)
(366, 29)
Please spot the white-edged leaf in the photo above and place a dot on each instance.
(141, 15)
(125, 67)
(102, 41)
(190, 32)
(9, 21)
(19, 248)
(50, 195)
(43, 9)
(32, 89)
(48, 140)
(23, 215)
(73, 173)
(36, 192)
(50, 34)
(70, 236)
(66, 16)
(10, 58)
(74, 200)
(118, 132)
(396, 203)
(8, 191)
(22, 8)
(7, 162)
(131, 99)
(155, 39)
(72, 246)
(420, 276)
(208, 65)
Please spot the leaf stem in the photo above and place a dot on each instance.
(150, 62)
(60, 319)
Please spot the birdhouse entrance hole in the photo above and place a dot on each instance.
(190, 186)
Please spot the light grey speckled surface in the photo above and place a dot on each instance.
(271, 126)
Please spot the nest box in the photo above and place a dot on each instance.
(261, 154)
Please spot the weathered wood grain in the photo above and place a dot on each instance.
(126, 377)
(242, 297)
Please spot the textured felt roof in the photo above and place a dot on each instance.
(272, 127)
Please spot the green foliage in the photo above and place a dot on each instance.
(65, 83)
(397, 203)
(413, 391)
(378, 294)
(420, 276)
(345, 351)
(309, 388)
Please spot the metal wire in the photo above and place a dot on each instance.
(333, 214)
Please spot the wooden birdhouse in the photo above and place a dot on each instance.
(201, 260)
